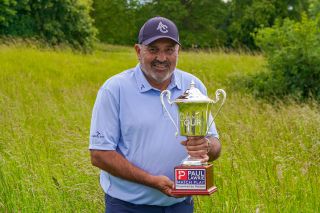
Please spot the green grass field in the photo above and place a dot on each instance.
(271, 151)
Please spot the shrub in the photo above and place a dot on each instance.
(292, 50)
(56, 21)
(6, 12)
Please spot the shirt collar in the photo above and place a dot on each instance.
(144, 85)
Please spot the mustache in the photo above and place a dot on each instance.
(156, 62)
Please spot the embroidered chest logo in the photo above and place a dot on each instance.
(162, 27)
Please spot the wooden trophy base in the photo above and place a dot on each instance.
(194, 192)
(193, 180)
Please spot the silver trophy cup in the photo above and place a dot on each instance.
(194, 114)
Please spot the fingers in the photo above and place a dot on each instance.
(193, 141)
(197, 144)
(198, 147)
(197, 153)
(204, 158)
(184, 143)
(165, 185)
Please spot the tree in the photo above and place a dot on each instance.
(7, 12)
(292, 49)
(55, 21)
(200, 22)
(116, 21)
(203, 26)
(314, 8)
(247, 16)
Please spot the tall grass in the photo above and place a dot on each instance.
(270, 160)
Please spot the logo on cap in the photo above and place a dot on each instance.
(162, 27)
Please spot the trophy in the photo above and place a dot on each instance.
(193, 177)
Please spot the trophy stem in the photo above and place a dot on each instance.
(190, 161)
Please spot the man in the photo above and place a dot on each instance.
(132, 139)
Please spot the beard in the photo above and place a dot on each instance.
(158, 71)
(164, 74)
(160, 78)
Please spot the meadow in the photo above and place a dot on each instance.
(271, 151)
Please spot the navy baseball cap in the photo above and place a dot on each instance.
(156, 28)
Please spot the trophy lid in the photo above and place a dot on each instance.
(193, 95)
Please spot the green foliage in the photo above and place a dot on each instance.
(293, 53)
(203, 24)
(247, 16)
(6, 12)
(314, 8)
(200, 22)
(56, 21)
(115, 20)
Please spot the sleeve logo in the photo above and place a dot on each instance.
(97, 135)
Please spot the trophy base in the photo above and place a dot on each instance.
(193, 180)
(194, 192)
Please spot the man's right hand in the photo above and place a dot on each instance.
(163, 184)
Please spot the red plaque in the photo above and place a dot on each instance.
(193, 180)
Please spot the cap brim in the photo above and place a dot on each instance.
(150, 40)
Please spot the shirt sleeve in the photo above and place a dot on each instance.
(104, 130)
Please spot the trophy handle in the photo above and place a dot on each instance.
(168, 94)
(224, 94)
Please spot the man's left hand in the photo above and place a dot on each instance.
(198, 148)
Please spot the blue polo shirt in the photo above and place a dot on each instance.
(128, 117)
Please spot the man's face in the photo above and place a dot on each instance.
(158, 60)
